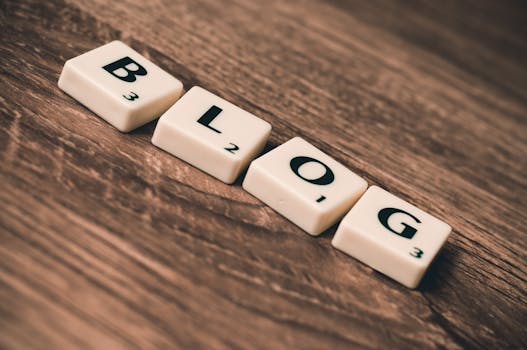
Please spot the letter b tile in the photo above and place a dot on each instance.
(391, 235)
(304, 184)
(211, 133)
(120, 85)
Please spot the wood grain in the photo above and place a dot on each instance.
(110, 243)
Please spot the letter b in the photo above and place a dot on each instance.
(121, 65)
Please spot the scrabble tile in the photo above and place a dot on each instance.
(391, 235)
(304, 184)
(120, 85)
(211, 133)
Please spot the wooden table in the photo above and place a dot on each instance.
(109, 243)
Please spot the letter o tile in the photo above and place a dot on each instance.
(304, 184)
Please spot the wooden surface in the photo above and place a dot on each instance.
(110, 243)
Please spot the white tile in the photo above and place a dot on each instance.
(304, 184)
(391, 235)
(211, 133)
(120, 85)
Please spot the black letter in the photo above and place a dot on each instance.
(209, 116)
(408, 231)
(122, 64)
(325, 179)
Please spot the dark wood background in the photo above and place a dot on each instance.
(110, 243)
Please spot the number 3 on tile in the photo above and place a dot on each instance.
(417, 253)
(132, 96)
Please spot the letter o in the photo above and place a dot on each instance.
(325, 179)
